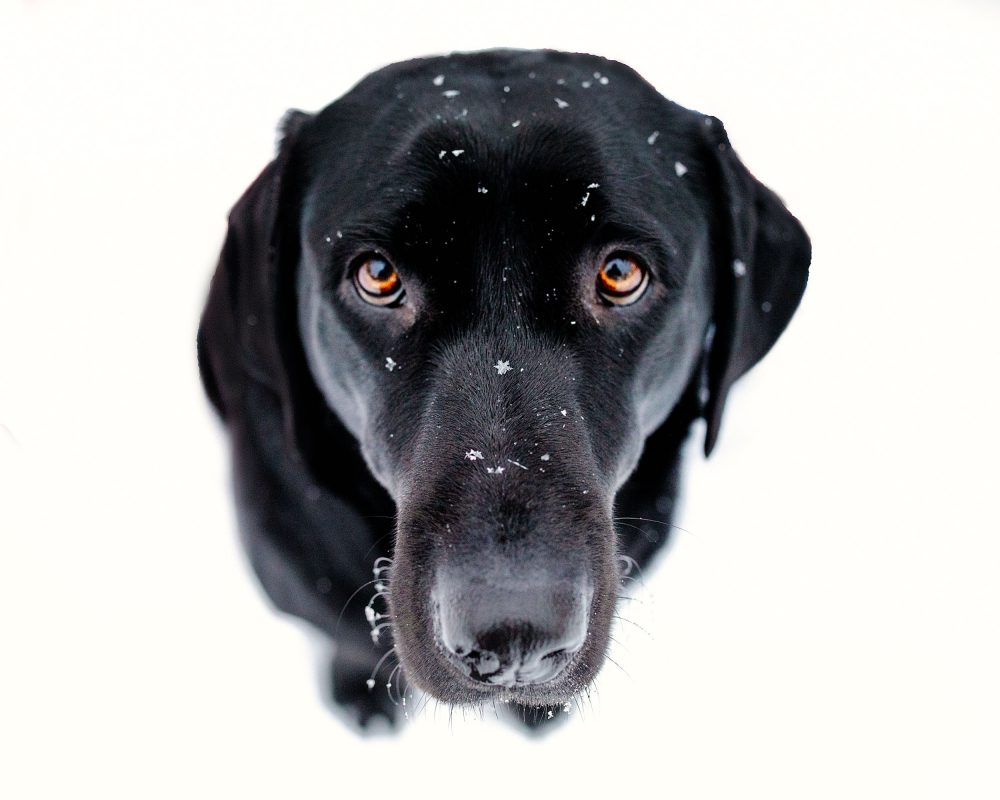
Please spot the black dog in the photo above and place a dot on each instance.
(464, 318)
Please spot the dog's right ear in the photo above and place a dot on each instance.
(238, 338)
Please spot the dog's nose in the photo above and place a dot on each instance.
(512, 635)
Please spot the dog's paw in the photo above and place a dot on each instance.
(366, 700)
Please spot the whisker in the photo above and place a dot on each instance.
(388, 685)
(649, 537)
(631, 565)
(348, 602)
(654, 521)
(378, 541)
(379, 663)
(609, 658)
(377, 629)
(630, 622)
(628, 598)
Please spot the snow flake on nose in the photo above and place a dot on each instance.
(680, 169)
(439, 80)
(561, 103)
(390, 364)
(450, 93)
(502, 367)
(739, 268)
(651, 139)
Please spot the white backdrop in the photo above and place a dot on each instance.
(827, 627)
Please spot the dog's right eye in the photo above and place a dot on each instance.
(377, 281)
(621, 279)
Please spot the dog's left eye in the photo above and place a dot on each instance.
(377, 280)
(622, 279)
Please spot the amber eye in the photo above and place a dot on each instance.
(621, 279)
(377, 280)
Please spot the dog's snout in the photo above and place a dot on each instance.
(512, 635)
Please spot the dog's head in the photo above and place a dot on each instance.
(501, 272)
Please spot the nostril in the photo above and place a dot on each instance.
(511, 654)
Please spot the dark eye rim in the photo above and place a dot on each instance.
(625, 298)
(385, 301)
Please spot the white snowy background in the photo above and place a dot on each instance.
(827, 627)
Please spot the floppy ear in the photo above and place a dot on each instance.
(762, 264)
(250, 314)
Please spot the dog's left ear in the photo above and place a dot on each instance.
(762, 258)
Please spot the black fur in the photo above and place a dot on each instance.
(340, 460)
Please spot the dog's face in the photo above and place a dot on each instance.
(506, 268)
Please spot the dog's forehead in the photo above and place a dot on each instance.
(538, 146)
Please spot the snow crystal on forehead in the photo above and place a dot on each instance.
(502, 367)
(457, 153)
(474, 455)
(739, 268)
(438, 80)
(680, 169)
(390, 364)
(450, 93)
(593, 186)
(515, 123)
(561, 103)
(651, 139)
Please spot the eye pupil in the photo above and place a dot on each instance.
(377, 280)
(379, 269)
(621, 280)
(618, 269)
